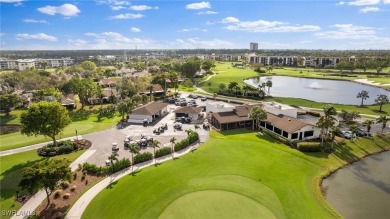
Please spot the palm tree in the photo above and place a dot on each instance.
(173, 141)
(232, 85)
(335, 131)
(354, 129)
(381, 99)
(383, 120)
(133, 150)
(368, 123)
(154, 144)
(112, 157)
(327, 120)
(246, 88)
(257, 113)
(364, 95)
(269, 85)
(237, 88)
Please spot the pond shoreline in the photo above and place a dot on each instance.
(326, 174)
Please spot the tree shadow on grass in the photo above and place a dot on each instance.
(344, 152)
(11, 178)
(79, 115)
(134, 173)
(5, 119)
(112, 184)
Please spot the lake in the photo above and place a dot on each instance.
(319, 90)
(361, 190)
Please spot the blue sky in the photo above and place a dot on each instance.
(181, 24)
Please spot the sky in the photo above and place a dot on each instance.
(182, 24)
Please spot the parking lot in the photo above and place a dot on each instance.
(102, 141)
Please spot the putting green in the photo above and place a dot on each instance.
(215, 204)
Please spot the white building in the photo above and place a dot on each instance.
(148, 112)
(219, 107)
(278, 108)
(253, 46)
(23, 64)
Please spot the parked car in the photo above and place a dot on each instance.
(203, 98)
(171, 101)
(203, 108)
(347, 134)
(194, 97)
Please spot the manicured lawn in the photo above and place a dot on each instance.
(183, 88)
(10, 175)
(269, 179)
(83, 126)
(225, 73)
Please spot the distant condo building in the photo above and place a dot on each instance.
(253, 46)
(23, 64)
(308, 61)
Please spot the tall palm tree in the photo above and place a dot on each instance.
(354, 129)
(368, 124)
(232, 85)
(133, 150)
(246, 88)
(327, 120)
(112, 157)
(173, 141)
(257, 114)
(335, 131)
(383, 120)
(364, 95)
(154, 144)
(269, 85)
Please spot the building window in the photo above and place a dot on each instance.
(278, 131)
(308, 134)
(285, 134)
(294, 136)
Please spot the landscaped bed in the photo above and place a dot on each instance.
(222, 174)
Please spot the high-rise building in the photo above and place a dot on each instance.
(254, 46)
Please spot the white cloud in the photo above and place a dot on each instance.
(230, 20)
(2, 34)
(192, 43)
(142, 7)
(126, 16)
(386, 1)
(34, 21)
(265, 26)
(115, 5)
(369, 9)
(135, 30)
(348, 31)
(67, 10)
(361, 2)
(113, 40)
(38, 36)
(77, 42)
(209, 23)
(192, 29)
(197, 6)
(207, 12)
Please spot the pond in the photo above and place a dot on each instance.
(361, 190)
(319, 90)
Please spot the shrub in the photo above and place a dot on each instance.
(163, 151)
(66, 196)
(57, 193)
(142, 157)
(73, 188)
(182, 144)
(64, 185)
(309, 146)
(91, 168)
(117, 166)
(74, 175)
(83, 178)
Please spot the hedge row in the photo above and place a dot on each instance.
(163, 151)
(63, 147)
(276, 136)
(115, 167)
(142, 157)
(191, 138)
(309, 146)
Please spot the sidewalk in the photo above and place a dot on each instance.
(32, 147)
(81, 204)
(30, 206)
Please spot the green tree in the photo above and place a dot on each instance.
(84, 88)
(269, 68)
(257, 114)
(353, 129)
(125, 106)
(327, 120)
(113, 157)
(335, 131)
(207, 65)
(190, 67)
(383, 120)
(222, 86)
(301, 61)
(45, 174)
(45, 118)
(269, 85)
(43, 65)
(88, 66)
(381, 99)
(232, 85)
(363, 95)
(8, 101)
(154, 144)
(134, 149)
(173, 141)
(368, 124)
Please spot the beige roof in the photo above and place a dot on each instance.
(229, 117)
(149, 109)
(67, 99)
(108, 81)
(156, 88)
(286, 123)
(107, 92)
(188, 110)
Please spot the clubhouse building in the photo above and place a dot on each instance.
(280, 119)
